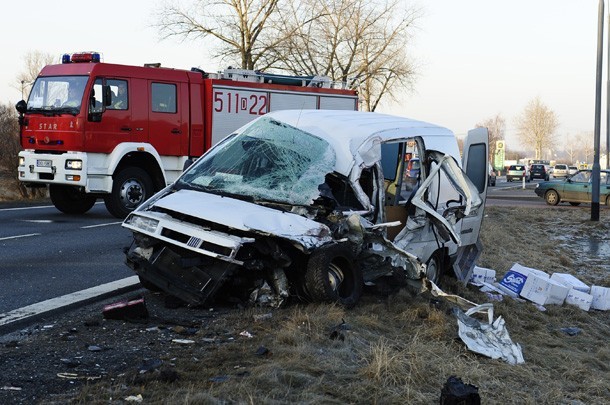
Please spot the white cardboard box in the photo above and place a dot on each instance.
(482, 275)
(543, 290)
(513, 281)
(580, 299)
(601, 298)
(570, 281)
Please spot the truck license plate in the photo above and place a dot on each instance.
(43, 163)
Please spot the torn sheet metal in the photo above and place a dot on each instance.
(489, 338)
(456, 299)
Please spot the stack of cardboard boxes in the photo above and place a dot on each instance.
(537, 286)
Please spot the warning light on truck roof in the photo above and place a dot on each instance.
(81, 57)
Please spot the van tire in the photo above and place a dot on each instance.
(70, 199)
(130, 188)
(333, 276)
(434, 269)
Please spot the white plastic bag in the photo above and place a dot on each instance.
(487, 338)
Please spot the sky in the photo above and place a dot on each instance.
(475, 58)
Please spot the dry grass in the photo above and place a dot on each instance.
(398, 349)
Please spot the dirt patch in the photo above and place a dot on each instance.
(396, 349)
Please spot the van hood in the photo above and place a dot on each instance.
(246, 216)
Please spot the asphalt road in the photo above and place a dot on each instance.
(45, 253)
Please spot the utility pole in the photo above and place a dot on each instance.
(607, 102)
(598, 101)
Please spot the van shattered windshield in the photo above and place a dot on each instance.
(269, 161)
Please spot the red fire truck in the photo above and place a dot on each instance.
(94, 130)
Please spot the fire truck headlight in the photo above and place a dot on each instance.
(74, 164)
(142, 223)
(21, 161)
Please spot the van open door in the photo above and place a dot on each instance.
(475, 161)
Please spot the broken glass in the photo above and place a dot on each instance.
(269, 161)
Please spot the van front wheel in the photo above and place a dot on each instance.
(333, 276)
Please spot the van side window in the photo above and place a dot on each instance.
(163, 97)
(120, 94)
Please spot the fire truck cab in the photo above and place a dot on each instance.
(94, 130)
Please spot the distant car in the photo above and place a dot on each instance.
(517, 172)
(539, 171)
(575, 189)
(491, 178)
(560, 170)
(572, 170)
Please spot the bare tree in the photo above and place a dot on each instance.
(9, 138)
(359, 42)
(356, 41)
(236, 25)
(536, 127)
(584, 140)
(34, 61)
(10, 147)
(496, 127)
(571, 147)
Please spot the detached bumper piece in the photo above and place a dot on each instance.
(193, 280)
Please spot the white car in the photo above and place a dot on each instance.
(560, 170)
(314, 204)
(572, 170)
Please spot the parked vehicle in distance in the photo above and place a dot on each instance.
(539, 171)
(560, 170)
(572, 170)
(575, 189)
(517, 172)
(491, 177)
(313, 204)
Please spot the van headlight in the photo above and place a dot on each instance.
(21, 161)
(142, 223)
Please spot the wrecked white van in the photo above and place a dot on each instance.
(316, 204)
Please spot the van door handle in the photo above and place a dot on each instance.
(125, 129)
(176, 131)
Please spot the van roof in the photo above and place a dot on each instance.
(354, 132)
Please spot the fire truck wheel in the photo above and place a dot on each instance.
(333, 276)
(131, 187)
(70, 200)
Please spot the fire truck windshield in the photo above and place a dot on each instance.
(57, 94)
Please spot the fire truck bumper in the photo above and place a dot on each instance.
(66, 168)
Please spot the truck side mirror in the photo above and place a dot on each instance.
(21, 107)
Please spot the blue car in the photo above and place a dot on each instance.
(575, 189)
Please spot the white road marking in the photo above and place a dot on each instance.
(20, 236)
(69, 299)
(38, 221)
(98, 225)
(26, 208)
